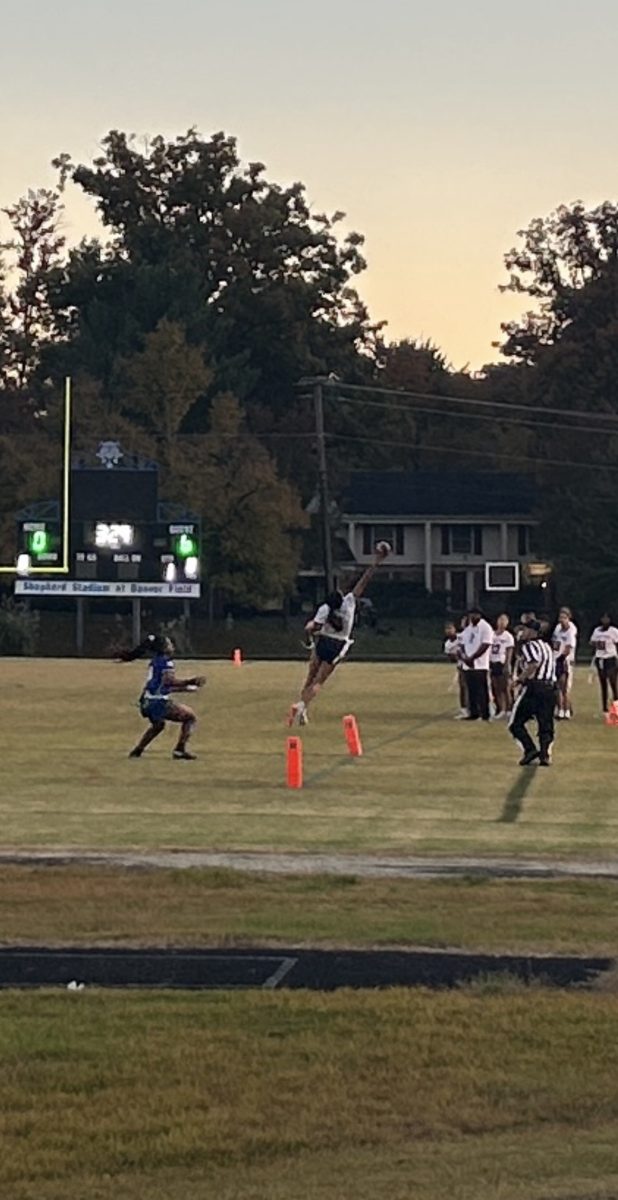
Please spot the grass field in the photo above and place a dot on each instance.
(89, 906)
(425, 784)
(400, 1094)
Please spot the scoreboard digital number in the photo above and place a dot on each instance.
(41, 542)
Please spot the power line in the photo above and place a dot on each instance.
(333, 385)
(519, 422)
(549, 462)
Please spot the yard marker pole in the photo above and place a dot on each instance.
(352, 736)
(294, 763)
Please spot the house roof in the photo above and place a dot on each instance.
(438, 494)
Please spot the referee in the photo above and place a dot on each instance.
(537, 696)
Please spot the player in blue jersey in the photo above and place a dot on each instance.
(156, 703)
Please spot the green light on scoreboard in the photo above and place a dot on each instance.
(186, 546)
(39, 542)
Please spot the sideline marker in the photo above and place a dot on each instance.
(611, 717)
(237, 658)
(294, 763)
(352, 736)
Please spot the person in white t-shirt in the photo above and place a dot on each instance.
(605, 642)
(501, 666)
(453, 650)
(476, 640)
(331, 633)
(564, 640)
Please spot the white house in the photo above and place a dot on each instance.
(443, 526)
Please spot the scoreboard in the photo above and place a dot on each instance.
(125, 550)
(119, 530)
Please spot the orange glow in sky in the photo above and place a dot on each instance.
(439, 129)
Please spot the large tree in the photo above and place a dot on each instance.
(196, 237)
(32, 253)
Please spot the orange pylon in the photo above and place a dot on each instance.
(294, 762)
(352, 736)
(237, 658)
(611, 717)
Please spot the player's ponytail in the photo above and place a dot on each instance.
(334, 601)
(153, 644)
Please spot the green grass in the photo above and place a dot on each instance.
(405, 1094)
(426, 783)
(87, 906)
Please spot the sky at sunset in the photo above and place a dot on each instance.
(439, 128)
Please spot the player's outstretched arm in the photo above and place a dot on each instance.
(382, 551)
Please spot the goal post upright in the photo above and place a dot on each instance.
(66, 495)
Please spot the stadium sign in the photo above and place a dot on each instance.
(102, 588)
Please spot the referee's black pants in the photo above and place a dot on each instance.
(536, 702)
(478, 694)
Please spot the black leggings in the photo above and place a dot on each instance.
(607, 669)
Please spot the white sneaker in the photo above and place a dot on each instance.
(462, 715)
(568, 715)
(303, 717)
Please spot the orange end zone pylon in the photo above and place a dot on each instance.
(237, 658)
(352, 736)
(294, 762)
(611, 717)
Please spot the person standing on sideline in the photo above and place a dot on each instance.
(536, 697)
(565, 647)
(476, 642)
(452, 649)
(605, 642)
(501, 666)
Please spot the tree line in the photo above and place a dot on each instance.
(212, 291)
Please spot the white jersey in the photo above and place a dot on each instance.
(502, 643)
(472, 638)
(347, 612)
(565, 642)
(605, 642)
(452, 647)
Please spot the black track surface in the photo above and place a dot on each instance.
(321, 970)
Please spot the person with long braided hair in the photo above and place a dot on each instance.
(156, 702)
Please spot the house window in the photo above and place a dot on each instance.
(393, 534)
(462, 540)
(523, 540)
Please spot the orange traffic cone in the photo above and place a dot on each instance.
(611, 717)
(237, 658)
(294, 763)
(352, 736)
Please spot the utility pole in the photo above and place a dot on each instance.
(327, 547)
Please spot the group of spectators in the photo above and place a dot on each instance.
(488, 661)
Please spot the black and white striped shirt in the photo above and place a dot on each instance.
(541, 654)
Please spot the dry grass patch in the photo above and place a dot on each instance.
(103, 906)
(432, 1092)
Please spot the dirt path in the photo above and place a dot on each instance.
(370, 866)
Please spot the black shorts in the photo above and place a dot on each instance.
(563, 668)
(607, 666)
(497, 670)
(330, 650)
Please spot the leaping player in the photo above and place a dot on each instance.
(156, 704)
(330, 630)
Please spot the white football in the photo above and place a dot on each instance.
(384, 547)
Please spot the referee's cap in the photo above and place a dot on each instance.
(535, 626)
